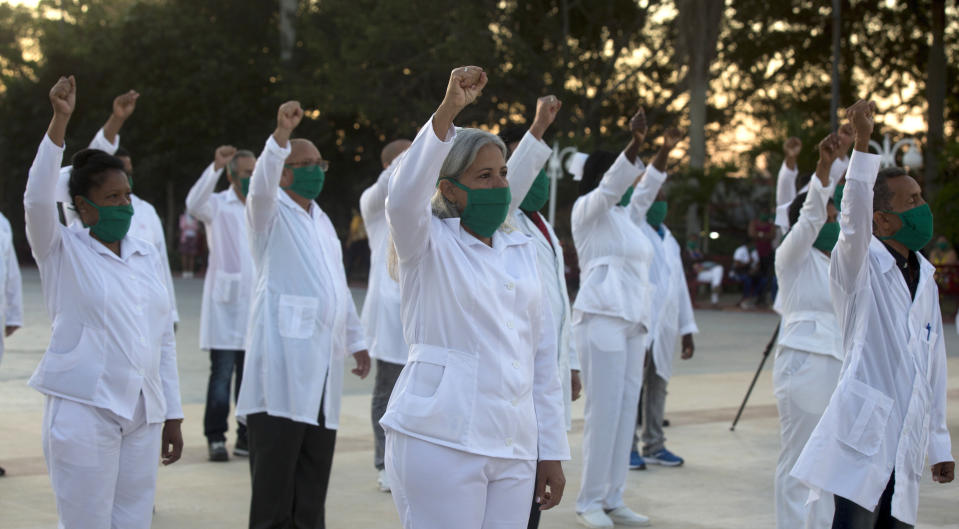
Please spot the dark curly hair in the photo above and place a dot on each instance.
(90, 168)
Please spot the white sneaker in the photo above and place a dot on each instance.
(625, 516)
(594, 519)
(383, 481)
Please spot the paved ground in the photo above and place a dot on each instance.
(726, 482)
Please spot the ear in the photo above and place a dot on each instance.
(880, 224)
(449, 191)
(86, 213)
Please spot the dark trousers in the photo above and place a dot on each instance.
(849, 515)
(290, 466)
(386, 375)
(223, 364)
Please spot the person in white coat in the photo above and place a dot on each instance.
(672, 319)
(381, 308)
(476, 418)
(11, 294)
(888, 413)
(146, 223)
(809, 353)
(227, 288)
(302, 326)
(109, 375)
(611, 317)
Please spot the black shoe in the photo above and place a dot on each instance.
(240, 448)
(665, 423)
(217, 450)
(2, 472)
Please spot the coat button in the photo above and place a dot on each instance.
(509, 441)
(509, 324)
(515, 364)
(510, 285)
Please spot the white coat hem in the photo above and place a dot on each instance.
(242, 414)
(456, 446)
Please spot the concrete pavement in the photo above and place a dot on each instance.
(725, 483)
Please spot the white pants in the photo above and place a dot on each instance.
(803, 383)
(611, 354)
(435, 487)
(103, 468)
(713, 276)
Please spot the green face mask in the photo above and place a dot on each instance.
(657, 213)
(307, 181)
(837, 196)
(538, 194)
(916, 230)
(114, 222)
(245, 186)
(827, 238)
(624, 201)
(486, 209)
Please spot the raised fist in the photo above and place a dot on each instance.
(223, 155)
(466, 84)
(862, 117)
(792, 147)
(637, 125)
(125, 104)
(63, 96)
(829, 148)
(289, 115)
(671, 137)
(547, 107)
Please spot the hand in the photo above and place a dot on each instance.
(944, 472)
(10, 329)
(791, 149)
(637, 125)
(63, 96)
(861, 116)
(547, 108)
(289, 116)
(362, 363)
(222, 156)
(688, 347)
(671, 138)
(466, 84)
(576, 383)
(172, 441)
(125, 104)
(549, 474)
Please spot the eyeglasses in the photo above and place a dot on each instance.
(322, 164)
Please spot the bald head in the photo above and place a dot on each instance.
(392, 150)
(303, 150)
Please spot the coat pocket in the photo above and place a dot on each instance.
(863, 412)
(74, 361)
(297, 316)
(226, 287)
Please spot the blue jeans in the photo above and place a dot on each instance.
(223, 364)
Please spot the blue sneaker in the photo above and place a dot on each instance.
(666, 458)
(636, 461)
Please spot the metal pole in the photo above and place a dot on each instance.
(836, 28)
(769, 348)
(553, 171)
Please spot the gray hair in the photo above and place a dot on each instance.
(242, 153)
(466, 145)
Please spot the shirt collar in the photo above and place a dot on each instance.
(285, 199)
(128, 245)
(231, 195)
(501, 239)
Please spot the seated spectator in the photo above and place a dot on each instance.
(942, 252)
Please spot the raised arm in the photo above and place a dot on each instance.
(198, 199)
(373, 199)
(648, 186)
(786, 181)
(265, 182)
(108, 137)
(413, 183)
(531, 153)
(813, 215)
(849, 258)
(39, 200)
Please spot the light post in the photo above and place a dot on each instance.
(554, 170)
(887, 152)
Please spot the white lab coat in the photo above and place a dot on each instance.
(11, 292)
(381, 308)
(482, 374)
(303, 322)
(786, 188)
(228, 286)
(673, 316)
(552, 276)
(888, 411)
(146, 223)
(112, 322)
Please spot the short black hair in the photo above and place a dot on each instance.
(882, 195)
(90, 168)
(796, 206)
(122, 152)
(512, 134)
(595, 167)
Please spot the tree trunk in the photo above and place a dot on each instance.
(936, 97)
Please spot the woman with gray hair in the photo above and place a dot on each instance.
(476, 417)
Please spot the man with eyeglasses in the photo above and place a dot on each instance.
(303, 325)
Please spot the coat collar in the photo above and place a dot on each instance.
(501, 239)
(128, 245)
(285, 200)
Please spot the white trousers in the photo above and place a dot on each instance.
(611, 354)
(103, 468)
(435, 487)
(803, 383)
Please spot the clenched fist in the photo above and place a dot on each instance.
(638, 126)
(466, 84)
(792, 147)
(63, 96)
(125, 104)
(289, 115)
(222, 156)
(862, 117)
